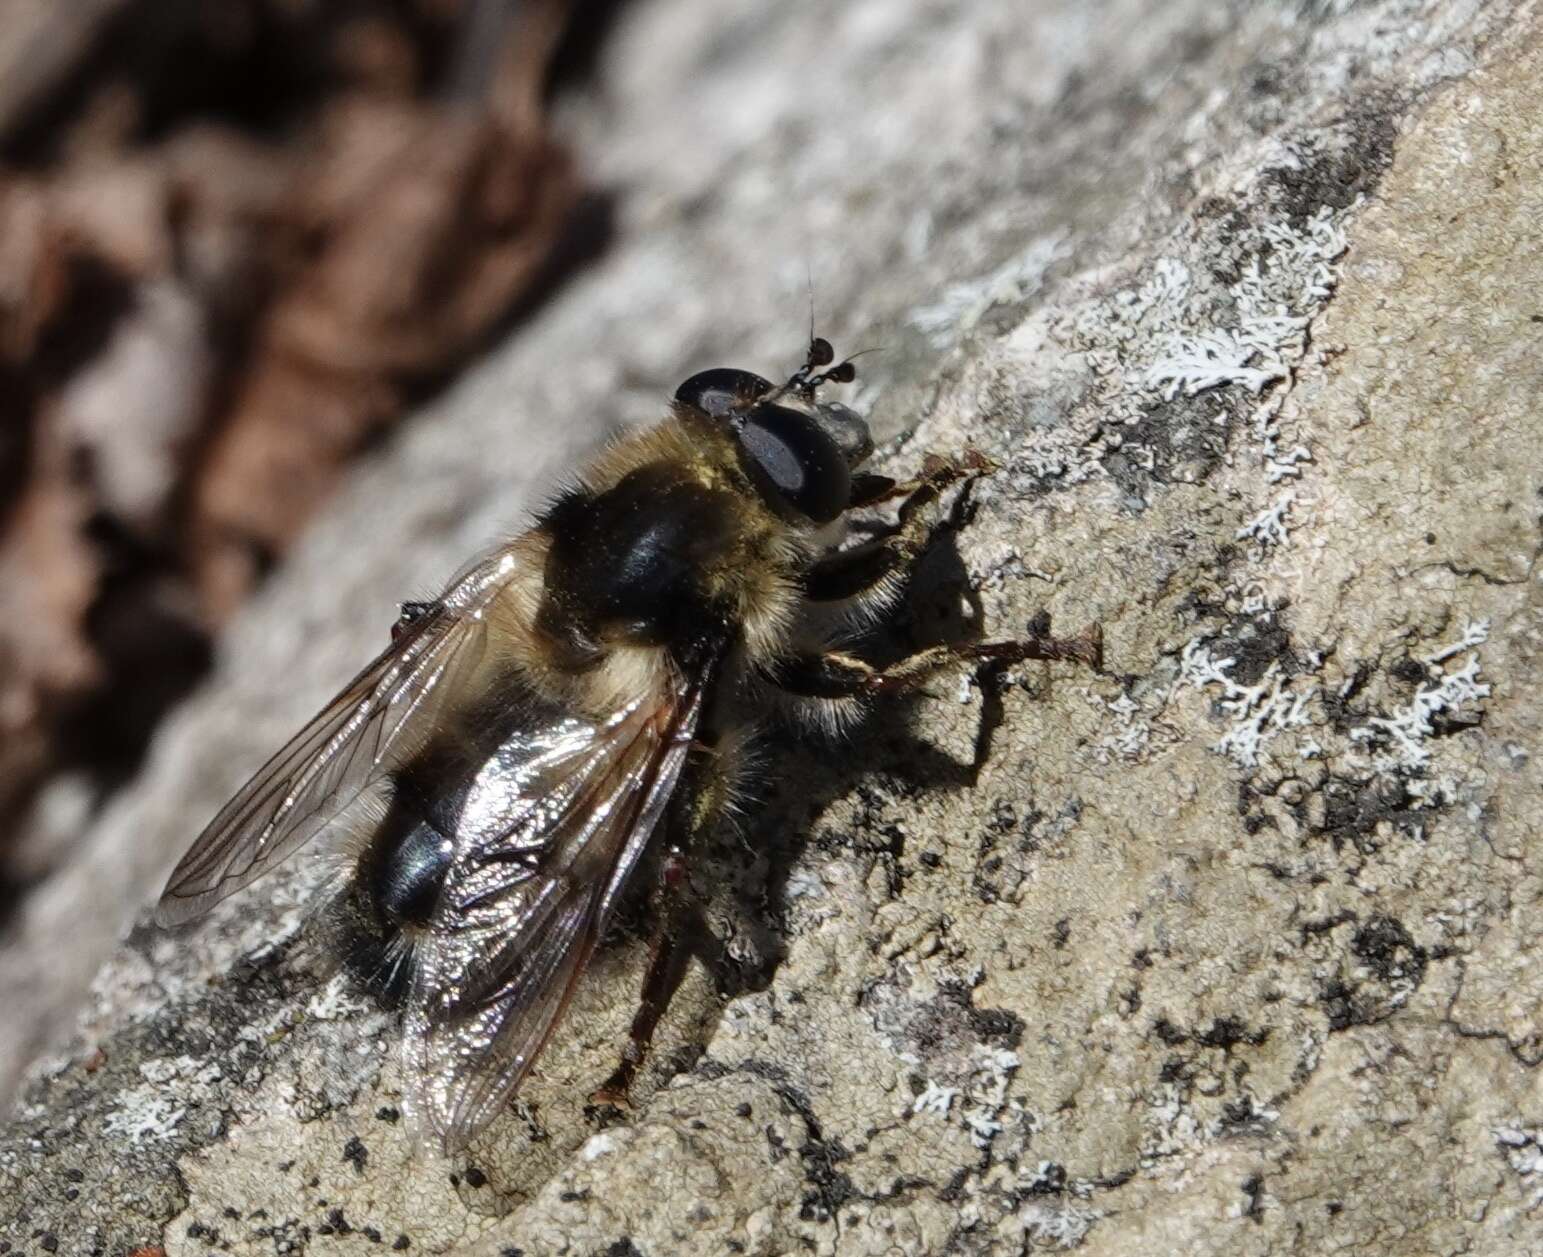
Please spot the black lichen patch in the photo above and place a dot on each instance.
(1339, 164)
(1386, 948)
(1344, 706)
(355, 1153)
(1356, 810)
(1243, 1117)
(1254, 643)
(1050, 1180)
(828, 1187)
(1174, 441)
(997, 1026)
(336, 1224)
(1323, 925)
(1227, 1033)
(1361, 811)
(1229, 226)
(1224, 1033)
(1341, 1008)
(1411, 671)
(953, 1190)
(1383, 967)
(994, 875)
(1253, 1193)
(951, 1022)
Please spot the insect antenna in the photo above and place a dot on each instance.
(843, 372)
(809, 279)
(809, 377)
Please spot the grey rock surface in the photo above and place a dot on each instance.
(1229, 950)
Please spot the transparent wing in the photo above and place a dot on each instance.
(548, 841)
(371, 726)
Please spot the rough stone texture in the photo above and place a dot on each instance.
(1227, 951)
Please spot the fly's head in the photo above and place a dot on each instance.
(799, 449)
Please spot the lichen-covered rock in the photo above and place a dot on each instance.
(1225, 951)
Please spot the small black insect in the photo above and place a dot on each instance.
(491, 782)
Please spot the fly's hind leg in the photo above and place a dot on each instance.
(666, 966)
(700, 797)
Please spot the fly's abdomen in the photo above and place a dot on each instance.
(402, 870)
(406, 868)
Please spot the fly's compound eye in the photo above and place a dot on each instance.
(723, 392)
(793, 456)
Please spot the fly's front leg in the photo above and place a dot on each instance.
(698, 800)
(833, 675)
(870, 489)
(875, 567)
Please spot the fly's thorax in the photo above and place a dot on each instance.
(666, 545)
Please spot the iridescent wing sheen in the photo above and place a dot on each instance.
(372, 726)
(549, 836)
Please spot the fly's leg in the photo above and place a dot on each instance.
(698, 800)
(834, 675)
(875, 567)
(666, 965)
(938, 472)
(872, 572)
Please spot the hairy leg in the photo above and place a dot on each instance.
(699, 799)
(835, 675)
(873, 568)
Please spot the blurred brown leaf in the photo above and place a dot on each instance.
(234, 242)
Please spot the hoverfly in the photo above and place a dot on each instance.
(493, 781)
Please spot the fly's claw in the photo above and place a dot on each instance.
(942, 470)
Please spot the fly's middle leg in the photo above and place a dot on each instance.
(833, 675)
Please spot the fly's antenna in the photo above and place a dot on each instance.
(809, 280)
(809, 377)
(843, 372)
